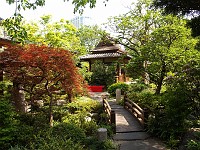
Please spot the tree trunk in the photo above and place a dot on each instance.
(69, 97)
(1, 80)
(18, 98)
(145, 75)
(159, 86)
(160, 80)
(51, 111)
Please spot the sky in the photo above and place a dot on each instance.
(64, 10)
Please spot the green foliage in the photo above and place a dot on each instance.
(68, 131)
(102, 74)
(31, 130)
(188, 81)
(133, 28)
(8, 123)
(159, 44)
(135, 67)
(120, 85)
(145, 99)
(137, 87)
(5, 86)
(16, 147)
(90, 36)
(170, 47)
(193, 145)
(58, 137)
(27, 4)
(177, 6)
(94, 144)
(84, 71)
(170, 113)
(83, 103)
(14, 29)
(79, 5)
(60, 34)
(169, 121)
(80, 114)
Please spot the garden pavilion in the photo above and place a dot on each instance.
(109, 53)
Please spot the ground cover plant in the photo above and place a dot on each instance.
(75, 129)
(41, 73)
(120, 85)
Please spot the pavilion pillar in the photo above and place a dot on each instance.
(1, 78)
(90, 66)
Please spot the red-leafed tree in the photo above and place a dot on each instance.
(42, 71)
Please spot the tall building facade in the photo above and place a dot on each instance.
(79, 21)
(2, 31)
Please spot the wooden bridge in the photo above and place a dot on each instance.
(127, 118)
(128, 125)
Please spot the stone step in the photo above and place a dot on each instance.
(130, 136)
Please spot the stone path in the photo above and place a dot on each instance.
(129, 134)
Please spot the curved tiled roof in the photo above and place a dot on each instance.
(106, 49)
(102, 55)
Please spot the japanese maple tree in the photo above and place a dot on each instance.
(41, 71)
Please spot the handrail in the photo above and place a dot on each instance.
(111, 114)
(135, 110)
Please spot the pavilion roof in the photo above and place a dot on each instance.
(106, 49)
(5, 41)
(103, 55)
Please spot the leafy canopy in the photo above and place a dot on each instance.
(183, 7)
(79, 5)
(159, 44)
(41, 69)
(179, 6)
(60, 34)
(171, 46)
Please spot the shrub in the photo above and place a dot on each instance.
(80, 113)
(193, 139)
(8, 123)
(170, 123)
(69, 131)
(120, 85)
(168, 112)
(137, 87)
(16, 147)
(83, 103)
(62, 136)
(102, 74)
(193, 145)
(94, 144)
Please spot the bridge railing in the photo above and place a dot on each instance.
(135, 110)
(111, 119)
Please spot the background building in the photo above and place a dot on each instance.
(79, 21)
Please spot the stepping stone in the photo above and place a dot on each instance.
(149, 144)
(130, 136)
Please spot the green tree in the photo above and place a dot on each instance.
(41, 71)
(133, 30)
(60, 34)
(159, 44)
(79, 5)
(169, 48)
(179, 6)
(183, 7)
(102, 74)
(13, 24)
(90, 36)
(14, 29)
